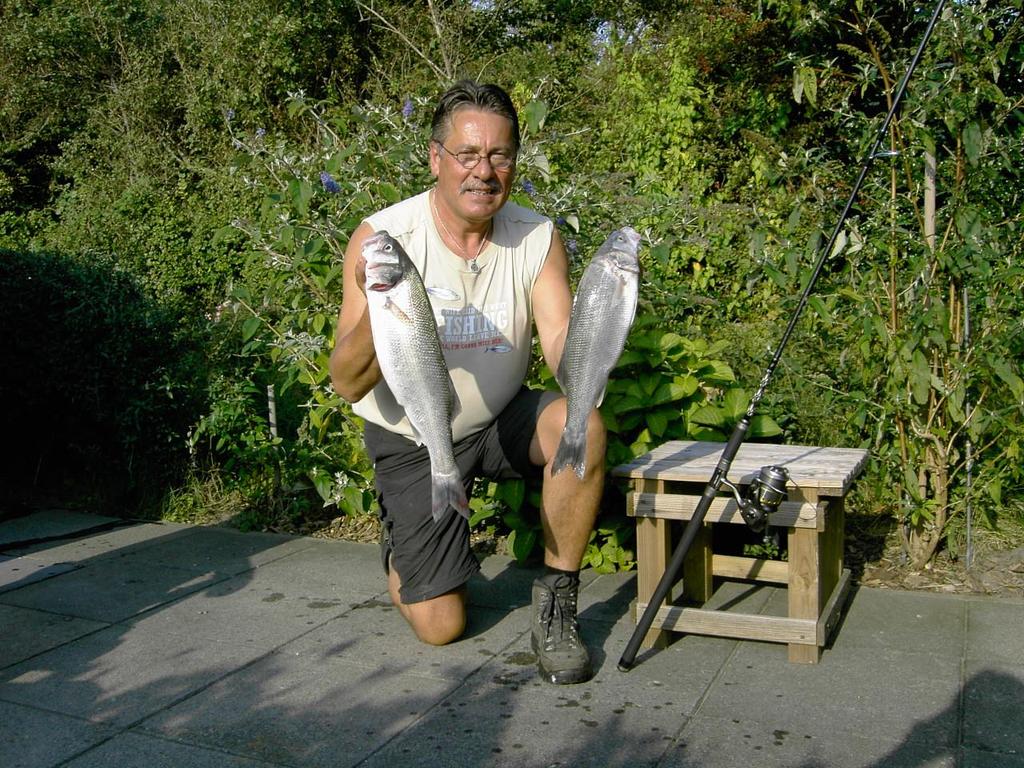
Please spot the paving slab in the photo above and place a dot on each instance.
(147, 751)
(502, 583)
(285, 710)
(878, 620)
(740, 741)
(111, 589)
(994, 707)
(681, 674)
(608, 597)
(25, 632)
(50, 524)
(328, 569)
(994, 629)
(525, 722)
(978, 759)
(218, 550)
(30, 738)
(876, 693)
(121, 674)
(375, 636)
(18, 572)
(91, 545)
(249, 610)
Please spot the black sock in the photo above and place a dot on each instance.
(552, 575)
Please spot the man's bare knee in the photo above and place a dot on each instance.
(440, 633)
(438, 621)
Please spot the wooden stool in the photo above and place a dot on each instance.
(667, 484)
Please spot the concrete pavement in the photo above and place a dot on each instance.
(145, 644)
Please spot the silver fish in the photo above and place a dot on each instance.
(409, 354)
(602, 314)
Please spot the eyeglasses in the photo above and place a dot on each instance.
(500, 161)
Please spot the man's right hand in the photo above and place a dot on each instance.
(360, 272)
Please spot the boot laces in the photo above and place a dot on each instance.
(558, 616)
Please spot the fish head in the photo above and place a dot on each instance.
(621, 249)
(385, 261)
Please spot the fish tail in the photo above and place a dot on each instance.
(446, 490)
(571, 452)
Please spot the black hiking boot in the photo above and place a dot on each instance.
(555, 635)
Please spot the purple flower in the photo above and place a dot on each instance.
(407, 109)
(571, 246)
(261, 132)
(329, 183)
(560, 221)
(230, 114)
(528, 186)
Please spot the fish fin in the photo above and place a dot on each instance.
(572, 452)
(448, 491)
(396, 310)
(416, 436)
(443, 293)
(632, 315)
(625, 290)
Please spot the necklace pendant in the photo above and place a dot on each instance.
(473, 266)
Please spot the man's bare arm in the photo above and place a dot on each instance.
(354, 368)
(552, 302)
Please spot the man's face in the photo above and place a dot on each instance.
(474, 194)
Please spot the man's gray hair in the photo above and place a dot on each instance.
(468, 93)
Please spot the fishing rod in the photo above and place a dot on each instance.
(767, 491)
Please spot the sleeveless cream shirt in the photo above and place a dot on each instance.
(484, 318)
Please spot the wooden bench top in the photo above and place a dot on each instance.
(829, 471)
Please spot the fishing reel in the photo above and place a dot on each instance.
(762, 497)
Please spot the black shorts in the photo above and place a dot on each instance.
(435, 558)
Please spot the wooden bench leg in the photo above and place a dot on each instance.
(832, 544)
(653, 552)
(698, 583)
(804, 589)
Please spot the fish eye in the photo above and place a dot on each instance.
(388, 248)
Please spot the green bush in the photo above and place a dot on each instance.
(98, 383)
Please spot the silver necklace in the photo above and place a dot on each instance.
(483, 241)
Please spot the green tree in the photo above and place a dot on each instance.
(936, 237)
